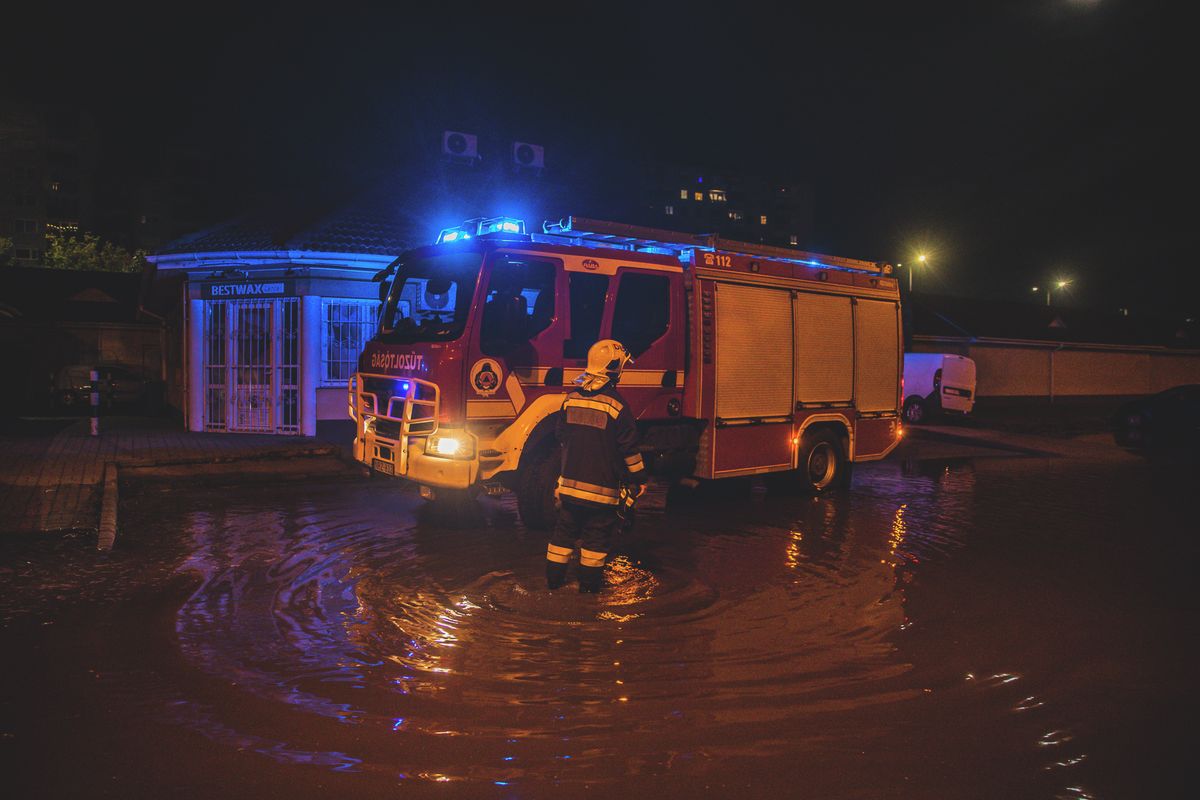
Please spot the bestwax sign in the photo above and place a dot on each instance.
(247, 290)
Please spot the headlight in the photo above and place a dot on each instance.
(450, 445)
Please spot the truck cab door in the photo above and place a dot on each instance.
(647, 317)
(518, 336)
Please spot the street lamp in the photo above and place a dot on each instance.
(920, 258)
(1059, 284)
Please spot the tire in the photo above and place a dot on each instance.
(914, 411)
(821, 463)
(535, 489)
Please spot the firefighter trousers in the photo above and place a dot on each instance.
(593, 527)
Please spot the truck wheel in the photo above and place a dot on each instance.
(914, 411)
(535, 489)
(821, 464)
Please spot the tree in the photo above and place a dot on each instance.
(87, 252)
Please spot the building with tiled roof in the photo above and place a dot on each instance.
(271, 310)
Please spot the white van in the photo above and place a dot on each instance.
(935, 382)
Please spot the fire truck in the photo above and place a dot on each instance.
(748, 359)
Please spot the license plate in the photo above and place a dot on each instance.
(386, 467)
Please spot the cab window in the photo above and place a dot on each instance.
(519, 303)
(642, 312)
(587, 312)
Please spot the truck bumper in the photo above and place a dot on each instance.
(412, 462)
(394, 420)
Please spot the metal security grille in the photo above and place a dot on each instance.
(287, 333)
(216, 350)
(349, 324)
(252, 366)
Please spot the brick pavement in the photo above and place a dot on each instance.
(54, 482)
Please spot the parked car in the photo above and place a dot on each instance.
(119, 386)
(937, 382)
(1163, 424)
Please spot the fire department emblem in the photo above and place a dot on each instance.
(591, 264)
(485, 377)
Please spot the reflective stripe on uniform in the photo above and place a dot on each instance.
(591, 558)
(593, 403)
(559, 555)
(588, 491)
(634, 463)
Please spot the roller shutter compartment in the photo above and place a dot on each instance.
(754, 351)
(877, 355)
(824, 349)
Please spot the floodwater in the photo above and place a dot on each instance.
(1003, 627)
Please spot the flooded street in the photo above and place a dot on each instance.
(999, 627)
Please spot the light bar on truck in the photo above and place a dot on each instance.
(482, 227)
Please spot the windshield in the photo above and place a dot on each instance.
(430, 298)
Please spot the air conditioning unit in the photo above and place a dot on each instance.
(529, 156)
(458, 145)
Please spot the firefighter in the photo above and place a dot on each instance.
(599, 457)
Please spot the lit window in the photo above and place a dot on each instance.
(716, 195)
(762, 220)
(683, 194)
(349, 324)
(793, 240)
(699, 195)
(669, 210)
(55, 186)
(735, 215)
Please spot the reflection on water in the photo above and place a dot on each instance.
(403, 649)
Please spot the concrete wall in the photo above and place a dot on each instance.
(1034, 370)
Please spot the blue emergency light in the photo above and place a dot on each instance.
(482, 227)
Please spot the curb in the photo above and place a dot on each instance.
(978, 441)
(107, 534)
(110, 501)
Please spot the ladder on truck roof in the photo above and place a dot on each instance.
(585, 232)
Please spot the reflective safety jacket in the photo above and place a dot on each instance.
(599, 447)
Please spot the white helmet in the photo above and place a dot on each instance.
(605, 360)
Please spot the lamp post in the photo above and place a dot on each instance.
(920, 258)
(1060, 284)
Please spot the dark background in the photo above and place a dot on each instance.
(1013, 142)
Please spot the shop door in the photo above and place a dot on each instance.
(251, 390)
(251, 353)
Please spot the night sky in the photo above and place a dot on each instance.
(1012, 141)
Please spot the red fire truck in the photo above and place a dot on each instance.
(749, 359)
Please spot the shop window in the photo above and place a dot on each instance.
(716, 195)
(587, 312)
(519, 303)
(793, 240)
(349, 324)
(642, 312)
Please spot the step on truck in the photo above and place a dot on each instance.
(748, 359)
